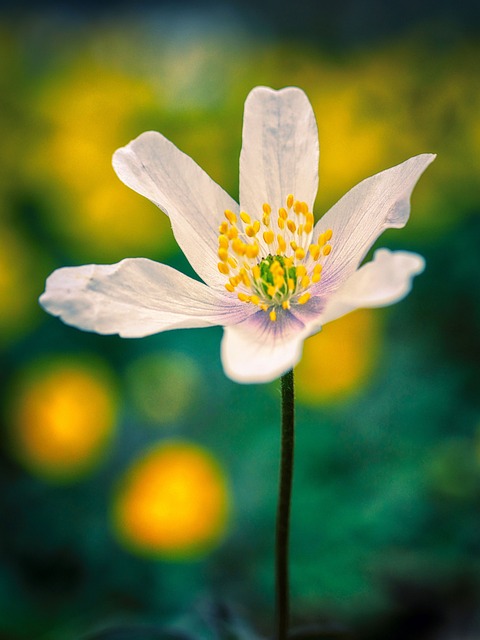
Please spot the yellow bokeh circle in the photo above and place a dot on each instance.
(338, 361)
(173, 502)
(63, 417)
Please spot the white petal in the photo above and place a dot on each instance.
(259, 350)
(358, 218)
(280, 149)
(155, 168)
(385, 280)
(135, 298)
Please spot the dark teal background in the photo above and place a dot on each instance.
(386, 509)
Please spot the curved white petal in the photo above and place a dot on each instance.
(279, 151)
(155, 168)
(358, 218)
(134, 298)
(385, 280)
(258, 350)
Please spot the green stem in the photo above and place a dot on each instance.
(283, 510)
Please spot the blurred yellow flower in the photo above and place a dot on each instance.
(173, 502)
(63, 417)
(339, 360)
(85, 113)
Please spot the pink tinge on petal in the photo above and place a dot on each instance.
(385, 280)
(258, 350)
(361, 215)
(136, 297)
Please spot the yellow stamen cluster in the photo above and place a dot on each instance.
(271, 262)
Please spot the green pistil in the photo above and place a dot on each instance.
(267, 278)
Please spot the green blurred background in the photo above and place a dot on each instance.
(138, 483)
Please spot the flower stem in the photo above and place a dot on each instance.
(283, 509)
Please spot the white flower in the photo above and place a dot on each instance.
(272, 277)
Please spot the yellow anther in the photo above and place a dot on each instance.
(305, 282)
(282, 245)
(232, 233)
(230, 216)
(308, 227)
(229, 287)
(304, 208)
(275, 266)
(235, 281)
(266, 220)
(273, 315)
(321, 239)
(223, 241)
(282, 213)
(317, 268)
(288, 262)
(328, 234)
(314, 250)
(326, 249)
(251, 250)
(290, 201)
(286, 304)
(256, 272)
(239, 247)
(223, 268)
(301, 270)
(263, 307)
(245, 279)
(291, 284)
(294, 245)
(223, 228)
(310, 218)
(250, 231)
(281, 223)
(300, 229)
(266, 208)
(300, 253)
(305, 297)
(268, 236)
(245, 217)
(291, 226)
(255, 299)
(271, 291)
(297, 207)
(232, 262)
(256, 226)
(243, 297)
(316, 277)
(223, 254)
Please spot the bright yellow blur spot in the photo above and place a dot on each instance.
(339, 360)
(172, 503)
(63, 417)
(87, 113)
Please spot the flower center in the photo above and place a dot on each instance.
(272, 262)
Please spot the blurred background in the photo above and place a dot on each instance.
(138, 483)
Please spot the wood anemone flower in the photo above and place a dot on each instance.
(271, 275)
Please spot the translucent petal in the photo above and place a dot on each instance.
(155, 168)
(259, 350)
(135, 298)
(381, 282)
(358, 218)
(280, 149)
